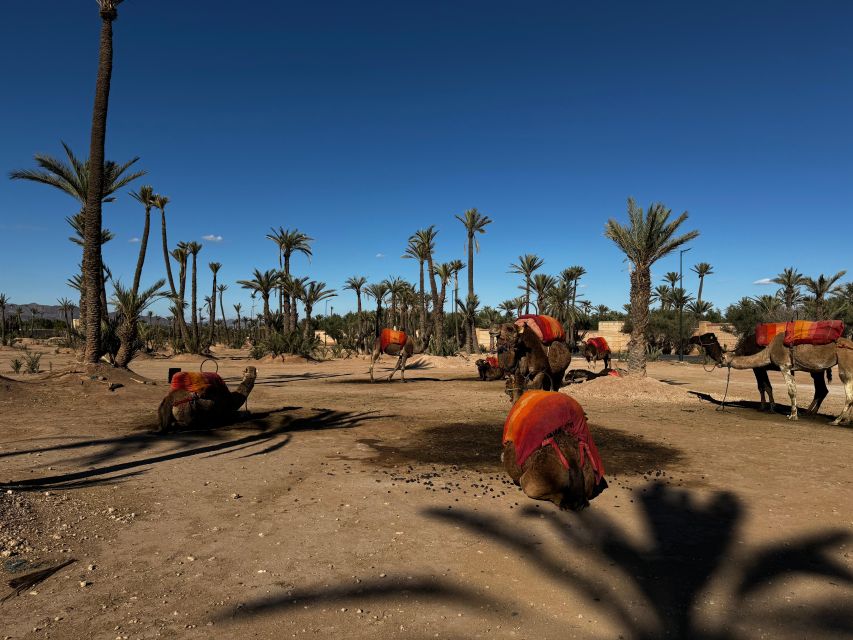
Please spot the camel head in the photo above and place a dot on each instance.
(709, 342)
(507, 342)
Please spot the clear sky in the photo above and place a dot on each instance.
(359, 123)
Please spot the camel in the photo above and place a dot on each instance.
(549, 452)
(392, 343)
(806, 357)
(523, 356)
(595, 349)
(747, 346)
(489, 369)
(210, 405)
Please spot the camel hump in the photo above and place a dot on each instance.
(391, 336)
(197, 381)
(599, 343)
(548, 329)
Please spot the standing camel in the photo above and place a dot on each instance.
(392, 343)
(529, 361)
(595, 349)
(747, 346)
(806, 357)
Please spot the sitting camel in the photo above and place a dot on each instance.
(392, 343)
(528, 362)
(748, 346)
(489, 369)
(549, 452)
(595, 349)
(805, 357)
(203, 399)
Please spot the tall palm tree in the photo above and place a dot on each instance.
(648, 237)
(130, 306)
(457, 266)
(396, 288)
(508, 308)
(161, 201)
(145, 197)
(474, 222)
(571, 277)
(820, 288)
(426, 239)
(67, 309)
(672, 279)
(662, 294)
(790, 280)
(221, 289)
(526, 265)
(193, 248)
(702, 269)
(289, 241)
(263, 283)
(468, 309)
(4, 300)
(313, 293)
(214, 269)
(541, 285)
(379, 292)
(237, 309)
(92, 261)
(296, 288)
(419, 250)
(356, 283)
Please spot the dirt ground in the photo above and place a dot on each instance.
(337, 508)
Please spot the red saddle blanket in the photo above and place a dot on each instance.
(390, 336)
(599, 343)
(547, 328)
(197, 381)
(538, 415)
(800, 332)
(817, 333)
(493, 362)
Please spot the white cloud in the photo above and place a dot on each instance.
(380, 255)
(211, 237)
(764, 281)
(134, 239)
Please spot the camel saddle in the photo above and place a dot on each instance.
(547, 328)
(599, 343)
(391, 336)
(800, 332)
(198, 382)
(538, 415)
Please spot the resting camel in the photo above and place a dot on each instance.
(392, 343)
(596, 349)
(549, 452)
(806, 357)
(529, 363)
(747, 346)
(203, 400)
(489, 369)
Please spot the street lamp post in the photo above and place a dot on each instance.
(681, 306)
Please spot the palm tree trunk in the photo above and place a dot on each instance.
(640, 295)
(92, 217)
(470, 342)
(307, 330)
(224, 321)
(143, 247)
(527, 294)
(289, 309)
(358, 299)
(179, 302)
(212, 314)
(194, 314)
(105, 316)
(423, 324)
(699, 294)
(437, 324)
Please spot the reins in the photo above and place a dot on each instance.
(722, 406)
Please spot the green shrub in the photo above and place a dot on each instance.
(17, 364)
(32, 361)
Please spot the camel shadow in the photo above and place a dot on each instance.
(690, 545)
(754, 405)
(269, 432)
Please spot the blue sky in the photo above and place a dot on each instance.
(359, 123)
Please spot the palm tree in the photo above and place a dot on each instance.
(644, 240)
(356, 283)
(193, 248)
(475, 222)
(508, 308)
(396, 288)
(457, 266)
(820, 289)
(72, 177)
(791, 281)
(468, 309)
(698, 308)
(541, 285)
(672, 279)
(145, 197)
(160, 201)
(378, 292)
(222, 288)
(313, 293)
(769, 307)
(296, 289)
(92, 261)
(662, 294)
(214, 269)
(130, 306)
(526, 265)
(419, 250)
(426, 239)
(571, 276)
(263, 283)
(4, 300)
(33, 313)
(702, 269)
(289, 242)
(67, 308)
(237, 308)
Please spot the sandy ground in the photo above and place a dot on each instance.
(337, 508)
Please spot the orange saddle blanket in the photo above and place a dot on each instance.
(197, 381)
(547, 328)
(390, 336)
(537, 415)
(800, 332)
(599, 343)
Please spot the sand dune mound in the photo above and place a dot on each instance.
(633, 389)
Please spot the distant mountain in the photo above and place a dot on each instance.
(46, 311)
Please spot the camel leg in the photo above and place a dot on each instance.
(847, 380)
(606, 362)
(792, 391)
(538, 381)
(403, 358)
(374, 356)
(820, 392)
(397, 368)
(764, 388)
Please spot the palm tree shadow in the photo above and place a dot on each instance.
(270, 430)
(689, 544)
